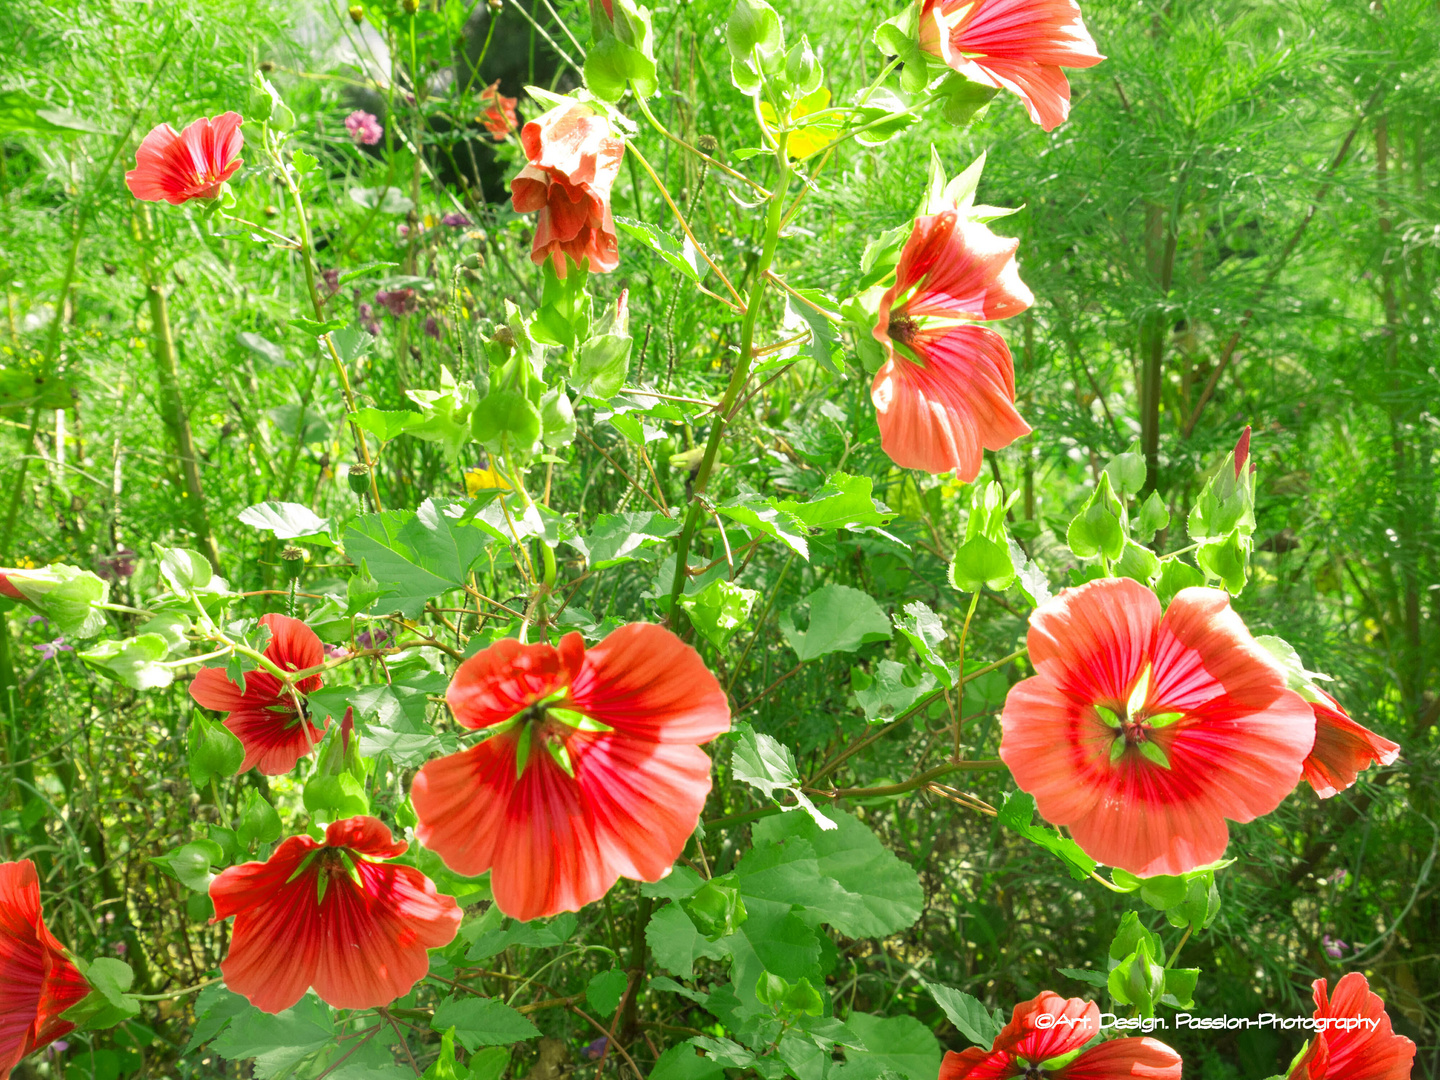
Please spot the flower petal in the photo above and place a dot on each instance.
(293, 646)
(1142, 1059)
(977, 1064)
(273, 739)
(460, 801)
(1343, 749)
(502, 681)
(644, 681)
(37, 981)
(1364, 1053)
(1072, 1022)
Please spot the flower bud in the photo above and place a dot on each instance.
(292, 561)
(410, 6)
(359, 478)
(708, 144)
(357, 13)
(473, 261)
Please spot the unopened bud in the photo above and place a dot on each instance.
(495, 5)
(267, 66)
(357, 13)
(473, 261)
(292, 561)
(359, 478)
(504, 336)
(708, 144)
(410, 6)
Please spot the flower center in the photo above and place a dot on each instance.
(902, 328)
(549, 724)
(1133, 724)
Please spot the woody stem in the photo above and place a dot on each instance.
(739, 377)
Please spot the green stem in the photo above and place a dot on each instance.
(739, 377)
(960, 684)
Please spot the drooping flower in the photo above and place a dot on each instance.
(37, 980)
(574, 160)
(1343, 749)
(946, 391)
(1144, 733)
(1368, 1050)
(331, 916)
(270, 722)
(364, 128)
(177, 167)
(1049, 1027)
(1015, 45)
(499, 116)
(593, 769)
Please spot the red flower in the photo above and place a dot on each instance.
(593, 771)
(1048, 1027)
(1368, 1050)
(1015, 45)
(1142, 733)
(9, 591)
(270, 721)
(1343, 749)
(574, 160)
(947, 391)
(333, 917)
(189, 165)
(37, 980)
(499, 119)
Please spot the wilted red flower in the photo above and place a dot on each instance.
(1049, 1026)
(499, 118)
(271, 723)
(1351, 1050)
(189, 165)
(333, 917)
(592, 770)
(1343, 749)
(947, 391)
(1015, 45)
(37, 980)
(1142, 734)
(574, 160)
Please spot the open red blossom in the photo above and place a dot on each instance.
(1144, 733)
(37, 980)
(1049, 1026)
(574, 161)
(1363, 1046)
(1343, 749)
(269, 720)
(333, 917)
(499, 116)
(177, 167)
(593, 772)
(1015, 45)
(947, 391)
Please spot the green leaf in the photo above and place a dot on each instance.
(444, 413)
(1127, 470)
(135, 661)
(488, 940)
(1227, 561)
(891, 689)
(968, 1014)
(981, 562)
(445, 1067)
(842, 619)
(682, 1063)
(676, 944)
(764, 763)
(753, 27)
(922, 628)
(336, 797)
(824, 345)
(271, 352)
(1091, 978)
(1174, 576)
(719, 610)
(1179, 991)
(842, 876)
(610, 65)
(287, 520)
(25, 114)
(278, 1042)
(1139, 563)
(107, 1004)
(763, 516)
(1154, 516)
(363, 271)
(681, 256)
(506, 418)
(615, 537)
(489, 1063)
(604, 991)
(1099, 528)
(214, 1010)
(1016, 814)
(900, 1045)
(213, 752)
(421, 553)
(482, 1022)
(66, 595)
(184, 570)
(843, 502)
(257, 820)
(190, 863)
(386, 424)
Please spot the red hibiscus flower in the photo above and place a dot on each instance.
(37, 980)
(1367, 1050)
(1142, 733)
(189, 165)
(593, 771)
(333, 917)
(1343, 749)
(947, 391)
(574, 160)
(1048, 1027)
(1015, 45)
(269, 721)
(499, 119)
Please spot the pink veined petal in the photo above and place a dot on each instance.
(499, 682)
(978, 1064)
(1043, 88)
(1092, 642)
(1042, 31)
(1123, 1059)
(1362, 1054)
(461, 800)
(1077, 1021)
(367, 835)
(963, 271)
(293, 646)
(643, 797)
(643, 681)
(529, 190)
(211, 689)
(940, 417)
(1313, 1064)
(1343, 749)
(276, 941)
(273, 740)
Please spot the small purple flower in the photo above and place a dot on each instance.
(372, 639)
(398, 301)
(120, 948)
(55, 1049)
(364, 128)
(37, 619)
(596, 1049)
(119, 565)
(332, 281)
(50, 649)
(336, 652)
(455, 220)
(1334, 947)
(432, 328)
